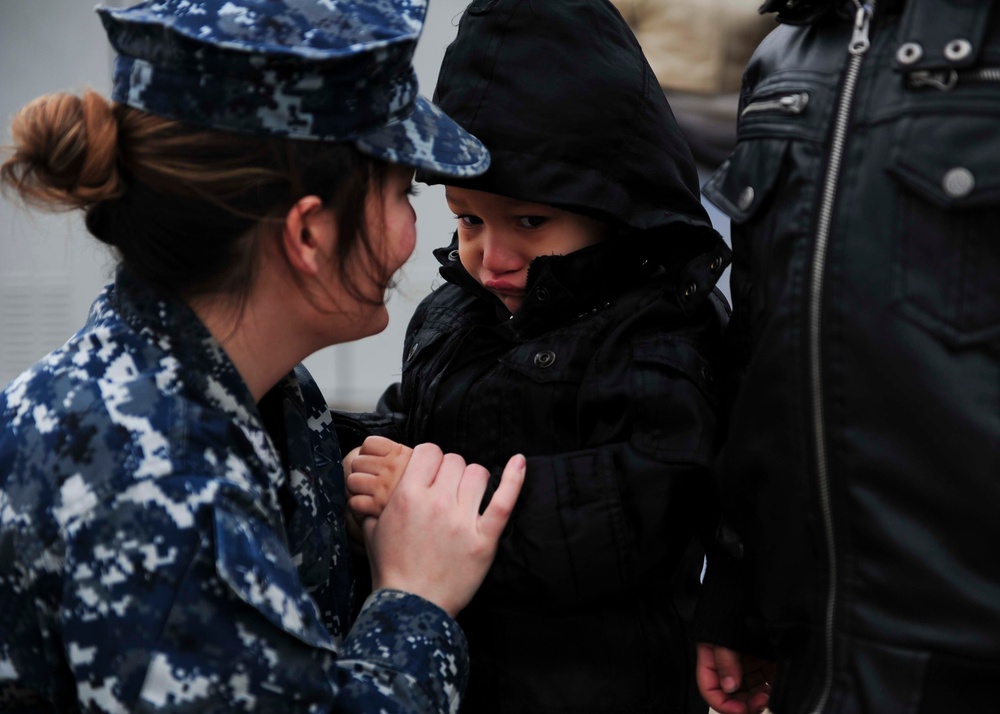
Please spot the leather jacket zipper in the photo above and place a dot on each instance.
(857, 48)
(794, 103)
(946, 80)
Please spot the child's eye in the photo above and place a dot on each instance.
(469, 221)
(531, 221)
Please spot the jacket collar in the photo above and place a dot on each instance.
(561, 287)
(799, 12)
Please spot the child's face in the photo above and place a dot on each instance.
(498, 237)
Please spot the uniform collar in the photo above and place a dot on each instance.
(190, 361)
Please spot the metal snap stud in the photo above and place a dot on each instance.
(542, 294)
(545, 358)
(909, 53)
(690, 290)
(957, 50)
(958, 182)
(746, 198)
(453, 255)
(715, 264)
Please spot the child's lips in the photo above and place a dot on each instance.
(504, 287)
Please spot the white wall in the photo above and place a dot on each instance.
(51, 269)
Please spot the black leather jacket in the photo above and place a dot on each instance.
(862, 471)
(606, 379)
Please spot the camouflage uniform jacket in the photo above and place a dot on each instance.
(158, 551)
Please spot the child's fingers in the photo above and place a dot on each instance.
(362, 483)
(354, 528)
(496, 515)
(363, 506)
(378, 446)
(349, 459)
(373, 465)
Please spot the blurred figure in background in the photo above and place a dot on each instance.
(698, 50)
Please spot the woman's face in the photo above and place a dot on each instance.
(498, 237)
(391, 224)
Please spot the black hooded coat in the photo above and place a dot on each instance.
(605, 378)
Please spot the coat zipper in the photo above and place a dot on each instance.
(788, 104)
(946, 80)
(857, 48)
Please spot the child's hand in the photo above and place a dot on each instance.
(375, 471)
(354, 531)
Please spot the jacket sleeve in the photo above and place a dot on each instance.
(595, 521)
(721, 613)
(208, 614)
(388, 420)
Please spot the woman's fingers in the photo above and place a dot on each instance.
(473, 486)
(430, 539)
(423, 466)
(496, 515)
(448, 479)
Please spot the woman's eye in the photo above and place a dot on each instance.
(531, 221)
(469, 221)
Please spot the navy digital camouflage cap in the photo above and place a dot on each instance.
(325, 70)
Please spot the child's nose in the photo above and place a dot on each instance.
(498, 257)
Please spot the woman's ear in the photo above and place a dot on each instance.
(309, 235)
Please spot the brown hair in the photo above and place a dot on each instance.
(183, 206)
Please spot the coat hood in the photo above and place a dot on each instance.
(562, 96)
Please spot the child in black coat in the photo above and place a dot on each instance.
(577, 325)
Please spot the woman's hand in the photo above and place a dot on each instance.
(732, 683)
(430, 540)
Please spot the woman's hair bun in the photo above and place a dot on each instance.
(65, 152)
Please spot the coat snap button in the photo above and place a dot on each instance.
(453, 255)
(958, 182)
(545, 358)
(690, 290)
(957, 50)
(715, 264)
(541, 294)
(746, 198)
(909, 53)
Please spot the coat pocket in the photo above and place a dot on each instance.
(256, 565)
(560, 359)
(947, 279)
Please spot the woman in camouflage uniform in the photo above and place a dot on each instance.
(171, 494)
